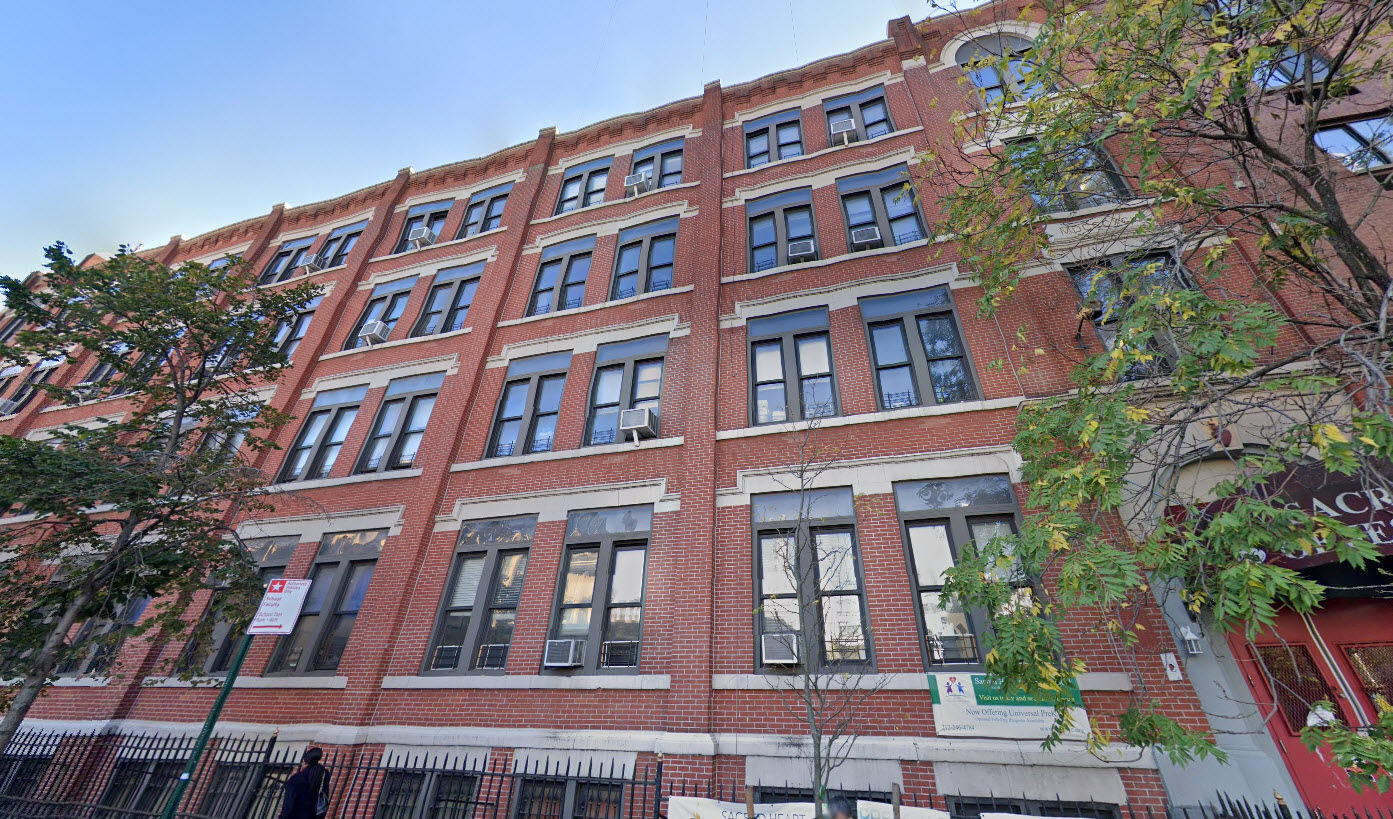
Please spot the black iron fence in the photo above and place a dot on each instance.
(115, 776)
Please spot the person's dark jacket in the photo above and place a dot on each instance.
(302, 792)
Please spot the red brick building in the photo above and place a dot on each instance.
(501, 569)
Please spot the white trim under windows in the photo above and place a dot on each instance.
(289, 335)
(430, 216)
(478, 612)
(321, 438)
(628, 375)
(386, 303)
(775, 222)
(661, 163)
(340, 243)
(982, 60)
(791, 372)
(810, 597)
(777, 136)
(600, 595)
(291, 255)
(530, 406)
(868, 111)
(917, 351)
(484, 211)
(583, 185)
(342, 571)
(644, 262)
(400, 426)
(883, 200)
(561, 276)
(449, 299)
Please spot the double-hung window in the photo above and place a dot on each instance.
(479, 611)
(385, 306)
(340, 243)
(339, 578)
(485, 210)
(289, 335)
(451, 294)
(644, 261)
(30, 386)
(561, 277)
(321, 438)
(808, 582)
(1090, 180)
(1107, 287)
(777, 136)
(916, 349)
(396, 435)
(600, 599)
(272, 555)
(530, 405)
(791, 367)
(940, 519)
(429, 218)
(781, 229)
(865, 110)
(584, 185)
(1361, 144)
(92, 650)
(883, 200)
(661, 163)
(1000, 67)
(628, 375)
(291, 255)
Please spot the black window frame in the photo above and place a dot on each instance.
(32, 384)
(921, 364)
(564, 256)
(1380, 151)
(606, 545)
(409, 394)
(793, 376)
(1014, 85)
(656, 158)
(289, 335)
(339, 243)
(287, 260)
(533, 371)
(272, 555)
(770, 128)
(457, 287)
(493, 541)
(421, 788)
(645, 237)
(393, 296)
(880, 187)
(1172, 276)
(807, 580)
(336, 405)
(141, 785)
(855, 105)
(567, 796)
(972, 807)
(584, 198)
(352, 552)
(778, 207)
(627, 357)
(484, 211)
(98, 658)
(433, 215)
(1094, 162)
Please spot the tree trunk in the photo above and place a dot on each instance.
(44, 663)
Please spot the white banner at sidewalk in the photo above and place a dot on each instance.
(691, 807)
(884, 810)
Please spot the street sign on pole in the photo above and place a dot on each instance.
(280, 607)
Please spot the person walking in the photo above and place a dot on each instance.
(307, 791)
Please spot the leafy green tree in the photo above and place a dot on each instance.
(112, 513)
(1275, 325)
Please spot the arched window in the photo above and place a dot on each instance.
(982, 60)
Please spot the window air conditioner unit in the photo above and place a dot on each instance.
(564, 654)
(374, 332)
(642, 421)
(780, 649)
(619, 654)
(493, 655)
(865, 237)
(311, 264)
(802, 249)
(8, 407)
(636, 183)
(420, 237)
(843, 131)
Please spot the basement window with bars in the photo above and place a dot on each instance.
(879, 209)
(547, 797)
(598, 622)
(321, 438)
(340, 576)
(139, 787)
(479, 610)
(530, 405)
(254, 787)
(396, 436)
(645, 259)
(777, 136)
(917, 349)
(584, 185)
(628, 375)
(417, 794)
(485, 211)
(972, 807)
(561, 276)
(791, 367)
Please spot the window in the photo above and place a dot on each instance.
(248, 789)
(340, 576)
(272, 555)
(811, 608)
(447, 306)
(486, 579)
(941, 518)
(92, 650)
(1107, 288)
(779, 136)
(385, 305)
(866, 110)
(1291, 675)
(883, 200)
(30, 386)
(340, 243)
(662, 163)
(430, 216)
(1091, 180)
(628, 375)
(291, 255)
(401, 422)
(22, 774)
(139, 787)
(10, 329)
(916, 349)
(289, 336)
(600, 599)
(776, 221)
(561, 277)
(485, 210)
(547, 797)
(644, 261)
(322, 436)
(584, 185)
(418, 794)
(972, 807)
(1362, 145)
(1291, 67)
(791, 364)
(985, 58)
(530, 404)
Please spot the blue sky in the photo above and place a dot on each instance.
(135, 121)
